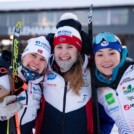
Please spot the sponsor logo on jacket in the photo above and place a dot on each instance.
(84, 98)
(130, 98)
(128, 90)
(109, 99)
(36, 90)
(51, 76)
(113, 109)
(128, 79)
(128, 106)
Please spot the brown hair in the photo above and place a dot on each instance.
(74, 76)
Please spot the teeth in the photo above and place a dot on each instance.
(64, 58)
(33, 68)
(107, 66)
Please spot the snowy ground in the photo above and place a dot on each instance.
(114, 130)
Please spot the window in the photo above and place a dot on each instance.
(110, 17)
(119, 16)
(100, 17)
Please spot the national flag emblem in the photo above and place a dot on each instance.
(40, 51)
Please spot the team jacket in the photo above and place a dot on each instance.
(31, 103)
(118, 102)
(65, 112)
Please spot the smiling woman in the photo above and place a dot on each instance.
(114, 77)
(106, 60)
(67, 83)
(109, 53)
(34, 63)
(35, 56)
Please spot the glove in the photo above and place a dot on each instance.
(5, 59)
(8, 107)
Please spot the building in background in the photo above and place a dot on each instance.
(39, 17)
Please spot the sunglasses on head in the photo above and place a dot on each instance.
(109, 37)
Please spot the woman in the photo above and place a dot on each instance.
(34, 63)
(67, 85)
(114, 80)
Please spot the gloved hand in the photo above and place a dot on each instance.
(8, 107)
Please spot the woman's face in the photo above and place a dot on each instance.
(34, 62)
(65, 54)
(106, 60)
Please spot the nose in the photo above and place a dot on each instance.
(64, 51)
(106, 58)
(36, 61)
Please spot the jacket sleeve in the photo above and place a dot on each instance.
(106, 123)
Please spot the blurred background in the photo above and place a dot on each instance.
(39, 17)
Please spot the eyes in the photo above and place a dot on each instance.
(34, 55)
(100, 54)
(64, 46)
(106, 52)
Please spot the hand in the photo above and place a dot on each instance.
(8, 107)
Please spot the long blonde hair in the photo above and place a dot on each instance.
(74, 76)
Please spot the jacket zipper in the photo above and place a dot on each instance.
(64, 107)
(25, 108)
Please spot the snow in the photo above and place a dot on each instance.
(114, 130)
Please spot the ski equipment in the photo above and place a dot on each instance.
(14, 64)
(94, 90)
